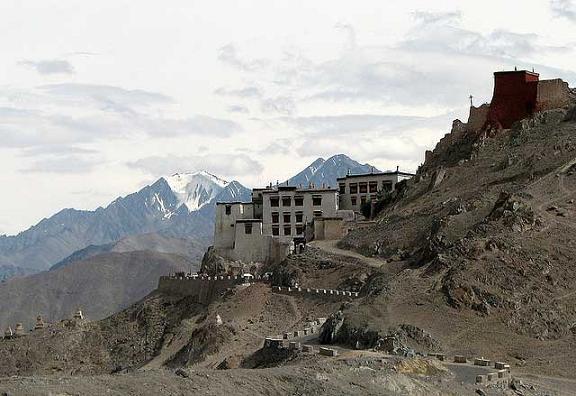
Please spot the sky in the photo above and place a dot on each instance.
(100, 98)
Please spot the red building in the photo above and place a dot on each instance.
(515, 97)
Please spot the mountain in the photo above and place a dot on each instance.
(100, 285)
(187, 248)
(180, 206)
(327, 171)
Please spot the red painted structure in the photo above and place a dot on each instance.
(515, 97)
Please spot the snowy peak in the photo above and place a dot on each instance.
(195, 189)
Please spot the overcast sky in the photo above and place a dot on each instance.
(99, 98)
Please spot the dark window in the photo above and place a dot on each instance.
(354, 200)
(287, 230)
(342, 188)
(362, 199)
(274, 202)
(298, 201)
(363, 188)
(373, 187)
(286, 201)
(387, 186)
(228, 209)
(317, 213)
(299, 230)
(299, 216)
(275, 230)
(353, 188)
(317, 200)
(248, 228)
(275, 217)
(287, 218)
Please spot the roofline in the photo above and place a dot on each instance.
(248, 220)
(377, 174)
(304, 190)
(517, 71)
(234, 203)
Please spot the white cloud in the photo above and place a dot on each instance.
(227, 165)
(564, 8)
(55, 66)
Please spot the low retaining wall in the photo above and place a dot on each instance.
(308, 292)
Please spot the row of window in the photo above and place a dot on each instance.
(365, 187)
(287, 230)
(298, 201)
(363, 199)
(287, 217)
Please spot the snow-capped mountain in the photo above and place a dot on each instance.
(195, 189)
(181, 205)
(327, 171)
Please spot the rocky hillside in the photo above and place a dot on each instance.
(481, 240)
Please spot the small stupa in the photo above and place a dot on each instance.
(39, 323)
(19, 330)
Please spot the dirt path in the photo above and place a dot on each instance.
(330, 247)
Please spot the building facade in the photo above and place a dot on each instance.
(356, 190)
(263, 230)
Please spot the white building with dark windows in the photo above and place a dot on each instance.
(356, 190)
(281, 217)
(264, 229)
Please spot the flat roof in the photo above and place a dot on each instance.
(304, 190)
(517, 72)
(234, 203)
(377, 174)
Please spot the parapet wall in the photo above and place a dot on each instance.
(322, 293)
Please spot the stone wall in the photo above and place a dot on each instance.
(552, 94)
(477, 118)
(326, 294)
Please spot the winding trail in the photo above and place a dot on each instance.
(331, 247)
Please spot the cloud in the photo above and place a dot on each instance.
(238, 109)
(227, 165)
(428, 17)
(105, 97)
(564, 8)
(72, 164)
(354, 123)
(55, 66)
(229, 54)
(280, 105)
(247, 92)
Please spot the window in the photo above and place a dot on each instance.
(228, 209)
(362, 199)
(363, 187)
(287, 230)
(275, 217)
(387, 186)
(274, 202)
(342, 188)
(317, 213)
(353, 188)
(299, 216)
(286, 201)
(247, 228)
(287, 217)
(299, 230)
(298, 201)
(317, 200)
(275, 230)
(354, 200)
(373, 186)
